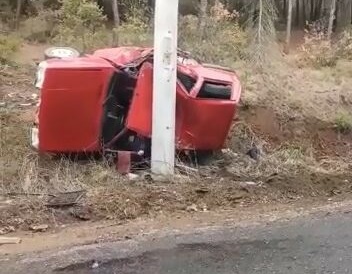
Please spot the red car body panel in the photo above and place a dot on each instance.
(199, 126)
(70, 112)
(198, 123)
(122, 55)
(140, 114)
(74, 92)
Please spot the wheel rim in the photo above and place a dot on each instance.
(62, 52)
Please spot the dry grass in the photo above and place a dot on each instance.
(288, 168)
(300, 92)
(280, 174)
(109, 195)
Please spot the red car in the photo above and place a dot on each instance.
(103, 102)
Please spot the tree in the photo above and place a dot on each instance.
(301, 20)
(18, 13)
(115, 9)
(81, 24)
(289, 27)
(343, 18)
(203, 16)
(331, 18)
(263, 36)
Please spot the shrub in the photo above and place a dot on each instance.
(81, 25)
(343, 122)
(6, 13)
(344, 45)
(136, 28)
(318, 52)
(8, 46)
(41, 27)
(224, 42)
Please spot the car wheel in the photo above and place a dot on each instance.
(60, 52)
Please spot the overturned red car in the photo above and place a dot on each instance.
(103, 102)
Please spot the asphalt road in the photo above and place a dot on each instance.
(320, 244)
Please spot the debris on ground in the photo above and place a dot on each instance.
(254, 153)
(66, 199)
(39, 228)
(9, 240)
(7, 229)
(82, 213)
(192, 208)
(133, 176)
(95, 265)
(250, 184)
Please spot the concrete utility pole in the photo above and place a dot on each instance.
(164, 93)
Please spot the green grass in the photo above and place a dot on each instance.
(343, 122)
(9, 45)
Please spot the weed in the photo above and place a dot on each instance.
(343, 122)
(8, 46)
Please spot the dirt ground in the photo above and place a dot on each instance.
(175, 224)
(303, 157)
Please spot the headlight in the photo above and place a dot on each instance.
(40, 74)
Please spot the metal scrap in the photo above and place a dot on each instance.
(65, 199)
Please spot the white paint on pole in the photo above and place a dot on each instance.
(164, 93)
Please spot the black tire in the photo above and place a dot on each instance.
(52, 52)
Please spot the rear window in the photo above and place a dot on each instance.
(211, 90)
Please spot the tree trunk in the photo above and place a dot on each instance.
(251, 15)
(343, 17)
(324, 8)
(349, 13)
(115, 9)
(307, 10)
(18, 13)
(289, 27)
(301, 13)
(203, 16)
(331, 18)
(260, 21)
